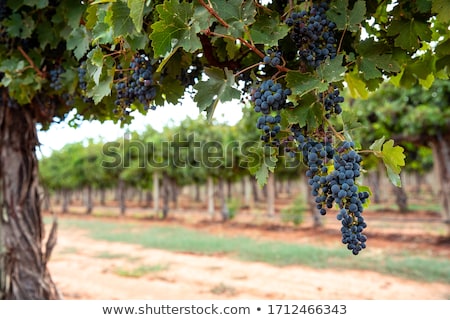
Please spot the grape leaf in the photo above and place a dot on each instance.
(95, 64)
(309, 112)
(356, 86)
(236, 13)
(121, 21)
(47, 35)
(267, 30)
(137, 12)
(377, 144)
(38, 3)
(302, 83)
(78, 41)
(374, 58)
(262, 175)
(356, 15)
(345, 18)
(18, 27)
(103, 88)
(442, 8)
(219, 87)
(392, 156)
(178, 27)
(409, 33)
(73, 12)
(332, 70)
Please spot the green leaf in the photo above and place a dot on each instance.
(121, 21)
(307, 113)
(39, 4)
(78, 41)
(172, 89)
(393, 158)
(262, 175)
(73, 12)
(95, 64)
(373, 58)
(178, 27)
(376, 146)
(236, 13)
(409, 33)
(303, 83)
(219, 87)
(103, 88)
(18, 27)
(442, 9)
(137, 12)
(356, 86)
(268, 30)
(345, 18)
(47, 35)
(332, 70)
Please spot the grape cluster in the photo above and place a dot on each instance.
(273, 58)
(346, 170)
(269, 99)
(335, 186)
(317, 156)
(55, 78)
(331, 100)
(313, 34)
(136, 83)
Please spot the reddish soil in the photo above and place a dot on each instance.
(88, 269)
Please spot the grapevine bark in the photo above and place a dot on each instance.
(23, 259)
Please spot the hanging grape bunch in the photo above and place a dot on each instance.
(269, 99)
(333, 167)
(135, 85)
(337, 186)
(313, 34)
(55, 77)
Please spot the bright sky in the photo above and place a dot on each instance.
(60, 134)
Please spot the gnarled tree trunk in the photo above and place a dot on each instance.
(23, 260)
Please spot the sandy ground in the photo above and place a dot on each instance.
(84, 268)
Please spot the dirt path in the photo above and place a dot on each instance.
(86, 269)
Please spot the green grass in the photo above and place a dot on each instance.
(421, 268)
(109, 255)
(141, 270)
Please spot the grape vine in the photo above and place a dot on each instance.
(333, 167)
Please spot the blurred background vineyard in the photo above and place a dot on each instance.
(189, 192)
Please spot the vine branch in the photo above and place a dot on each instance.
(249, 45)
(31, 62)
(214, 13)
